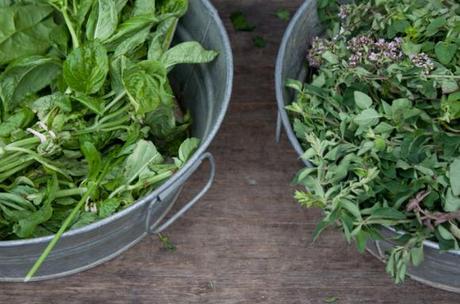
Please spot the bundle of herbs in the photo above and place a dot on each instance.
(89, 122)
(379, 121)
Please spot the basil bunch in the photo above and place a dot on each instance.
(89, 122)
(379, 121)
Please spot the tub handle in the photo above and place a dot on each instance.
(212, 173)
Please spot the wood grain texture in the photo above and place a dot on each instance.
(247, 241)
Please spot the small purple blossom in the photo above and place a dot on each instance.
(423, 61)
(319, 46)
(344, 12)
(373, 56)
(377, 51)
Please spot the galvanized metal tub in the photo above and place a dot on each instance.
(439, 269)
(205, 90)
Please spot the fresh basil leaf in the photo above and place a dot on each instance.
(186, 150)
(20, 119)
(120, 5)
(144, 155)
(86, 68)
(94, 104)
(187, 52)
(84, 219)
(132, 43)
(128, 28)
(109, 207)
(24, 31)
(84, 7)
(143, 7)
(145, 84)
(156, 47)
(43, 105)
(106, 20)
(27, 76)
(175, 8)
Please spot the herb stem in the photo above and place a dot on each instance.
(170, 34)
(6, 175)
(444, 76)
(13, 206)
(11, 164)
(153, 180)
(74, 4)
(38, 158)
(65, 225)
(24, 142)
(114, 101)
(69, 24)
(62, 193)
(71, 192)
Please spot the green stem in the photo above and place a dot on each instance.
(13, 163)
(170, 34)
(118, 124)
(450, 128)
(150, 181)
(6, 175)
(71, 192)
(6, 160)
(444, 76)
(62, 193)
(111, 116)
(74, 4)
(69, 24)
(113, 102)
(39, 159)
(114, 129)
(65, 225)
(57, 236)
(12, 206)
(24, 142)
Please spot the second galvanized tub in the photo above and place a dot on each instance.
(440, 270)
(205, 90)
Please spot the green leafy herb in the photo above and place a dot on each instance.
(283, 14)
(331, 300)
(259, 42)
(86, 68)
(166, 242)
(240, 23)
(89, 122)
(379, 121)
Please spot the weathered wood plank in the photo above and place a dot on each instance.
(247, 241)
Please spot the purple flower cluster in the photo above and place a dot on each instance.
(423, 61)
(318, 47)
(377, 51)
(365, 49)
(344, 12)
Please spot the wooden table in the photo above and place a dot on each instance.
(247, 241)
